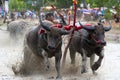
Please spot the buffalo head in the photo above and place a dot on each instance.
(54, 34)
(97, 32)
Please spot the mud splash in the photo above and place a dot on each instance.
(11, 53)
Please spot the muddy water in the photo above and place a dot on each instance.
(11, 53)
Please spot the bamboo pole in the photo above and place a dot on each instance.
(71, 35)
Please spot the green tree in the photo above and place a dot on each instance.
(28, 4)
(17, 5)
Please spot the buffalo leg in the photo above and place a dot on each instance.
(57, 64)
(72, 55)
(46, 61)
(84, 61)
(23, 68)
(98, 63)
(92, 58)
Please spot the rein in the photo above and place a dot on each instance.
(58, 44)
(94, 38)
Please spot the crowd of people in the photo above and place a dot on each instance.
(82, 14)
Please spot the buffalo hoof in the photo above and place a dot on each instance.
(95, 66)
(47, 68)
(20, 71)
(58, 78)
(47, 65)
(94, 73)
(52, 77)
(15, 70)
(83, 70)
(73, 62)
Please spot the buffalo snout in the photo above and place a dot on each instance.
(103, 43)
(51, 47)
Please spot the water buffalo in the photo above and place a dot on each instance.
(46, 44)
(17, 29)
(89, 42)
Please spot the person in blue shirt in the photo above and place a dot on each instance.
(2, 13)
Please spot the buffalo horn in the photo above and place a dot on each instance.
(43, 25)
(109, 27)
(87, 27)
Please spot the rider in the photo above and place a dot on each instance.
(49, 18)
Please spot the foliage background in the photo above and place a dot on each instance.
(31, 4)
(18, 5)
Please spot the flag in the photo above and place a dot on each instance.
(6, 6)
(75, 1)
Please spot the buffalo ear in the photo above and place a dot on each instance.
(64, 32)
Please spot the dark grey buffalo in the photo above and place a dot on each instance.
(45, 45)
(17, 29)
(89, 42)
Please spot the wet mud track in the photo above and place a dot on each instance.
(11, 53)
